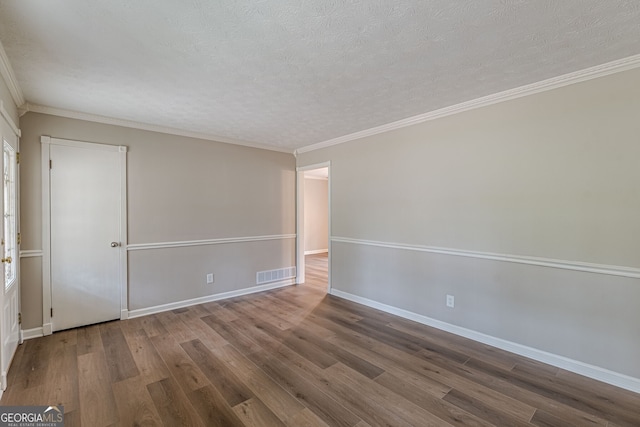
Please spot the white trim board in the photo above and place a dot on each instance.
(591, 371)
(47, 329)
(612, 67)
(31, 253)
(316, 251)
(201, 300)
(180, 244)
(612, 270)
(145, 126)
(28, 334)
(39, 332)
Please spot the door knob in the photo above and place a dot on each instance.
(7, 260)
(115, 244)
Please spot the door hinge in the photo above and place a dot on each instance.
(19, 238)
(50, 164)
(19, 318)
(18, 158)
(51, 311)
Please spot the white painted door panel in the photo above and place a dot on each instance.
(10, 295)
(85, 220)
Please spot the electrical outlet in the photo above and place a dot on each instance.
(450, 301)
(210, 278)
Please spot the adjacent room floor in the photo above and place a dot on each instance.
(316, 268)
(298, 357)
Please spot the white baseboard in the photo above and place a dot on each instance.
(316, 251)
(28, 334)
(591, 371)
(126, 314)
(215, 297)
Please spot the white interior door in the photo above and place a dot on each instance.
(85, 225)
(10, 328)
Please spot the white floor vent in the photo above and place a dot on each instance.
(275, 275)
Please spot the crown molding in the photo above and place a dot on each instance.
(10, 78)
(606, 69)
(35, 108)
(602, 70)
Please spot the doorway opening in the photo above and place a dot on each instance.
(314, 227)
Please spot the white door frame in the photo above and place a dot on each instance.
(6, 117)
(300, 269)
(46, 142)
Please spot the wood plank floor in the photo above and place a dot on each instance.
(297, 357)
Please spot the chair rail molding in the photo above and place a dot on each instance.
(33, 253)
(206, 242)
(613, 270)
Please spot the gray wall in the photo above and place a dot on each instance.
(316, 214)
(179, 189)
(553, 175)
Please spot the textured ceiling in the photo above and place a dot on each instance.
(291, 73)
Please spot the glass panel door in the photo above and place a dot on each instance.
(10, 295)
(10, 255)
